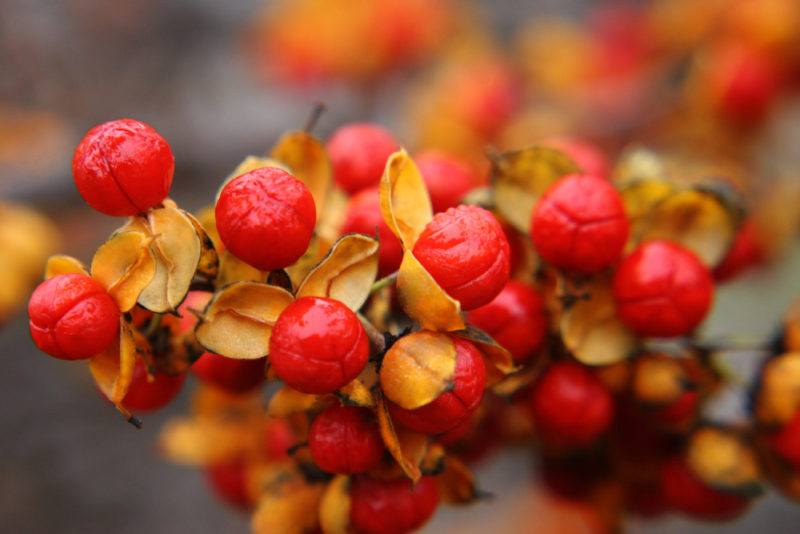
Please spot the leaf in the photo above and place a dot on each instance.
(287, 401)
(334, 509)
(249, 164)
(498, 355)
(289, 506)
(125, 265)
(112, 370)
(407, 448)
(520, 177)
(232, 269)
(405, 204)
(208, 265)
(424, 300)
(61, 264)
(305, 155)
(722, 459)
(346, 273)
(238, 321)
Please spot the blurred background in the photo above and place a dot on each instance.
(217, 79)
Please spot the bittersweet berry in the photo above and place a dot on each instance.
(278, 439)
(364, 217)
(684, 491)
(467, 253)
(746, 252)
(786, 441)
(746, 83)
(391, 506)
(234, 376)
(571, 407)
(662, 290)
(72, 317)
(452, 407)
(358, 153)
(266, 217)
(447, 178)
(345, 439)
(229, 482)
(318, 345)
(146, 394)
(579, 224)
(123, 167)
(515, 319)
(587, 156)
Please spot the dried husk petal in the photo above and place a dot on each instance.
(208, 265)
(359, 391)
(405, 204)
(287, 401)
(779, 392)
(638, 164)
(406, 447)
(125, 265)
(289, 505)
(62, 264)
(724, 460)
(112, 369)
(305, 155)
(424, 300)
(334, 509)
(232, 269)
(457, 482)
(499, 356)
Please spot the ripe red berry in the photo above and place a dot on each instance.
(515, 319)
(454, 406)
(391, 506)
(687, 493)
(145, 395)
(318, 345)
(278, 439)
(364, 217)
(123, 167)
(587, 156)
(786, 441)
(571, 406)
(467, 253)
(579, 224)
(662, 290)
(358, 153)
(72, 317)
(746, 252)
(229, 482)
(447, 178)
(746, 82)
(345, 439)
(266, 217)
(234, 376)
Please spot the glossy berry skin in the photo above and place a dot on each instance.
(452, 407)
(579, 224)
(318, 345)
(358, 153)
(345, 439)
(515, 319)
(467, 253)
(391, 506)
(266, 217)
(571, 407)
(364, 217)
(587, 156)
(234, 376)
(145, 395)
(786, 441)
(687, 493)
(662, 290)
(123, 167)
(229, 482)
(72, 317)
(447, 178)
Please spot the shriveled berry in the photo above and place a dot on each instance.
(515, 319)
(687, 493)
(391, 506)
(235, 376)
(579, 224)
(318, 345)
(571, 406)
(467, 253)
(447, 178)
(123, 167)
(358, 152)
(72, 317)
(146, 395)
(587, 156)
(345, 439)
(229, 482)
(266, 217)
(452, 407)
(364, 217)
(662, 290)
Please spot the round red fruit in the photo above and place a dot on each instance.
(266, 217)
(72, 317)
(358, 153)
(571, 406)
(364, 217)
(278, 439)
(467, 253)
(234, 376)
(786, 441)
(391, 506)
(146, 395)
(447, 178)
(123, 167)
(579, 224)
(515, 319)
(345, 439)
(687, 493)
(662, 290)
(745, 253)
(454, 406)
(229, 482)
(587, 156)
(318, 345)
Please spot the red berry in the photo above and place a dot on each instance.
(391, 506)
(72, 317)
(278, 439)
(786, 441)
(687, 493)
(454, 406)
(229, 482)
(364, 217)
(195, 300)
(123, 167)
(358, 153)
(145, 395)
(571, 406)
(467, 253)
(318, 345)
(662, 290)
(746, 252)
(579, 224)
(515, 319)
(447, 178)
(235, 376)
(587, 156)
(266, 217)
(345, 439)
(747, 83)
